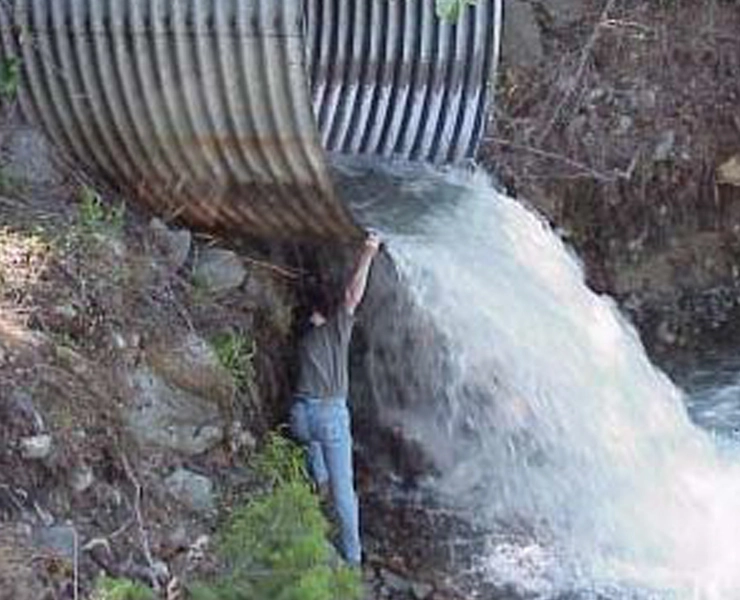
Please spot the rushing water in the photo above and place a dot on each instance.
(548, 412)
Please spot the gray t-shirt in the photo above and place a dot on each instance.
(322, 358)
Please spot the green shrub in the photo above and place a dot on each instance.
(235, 352)
(275, 547)
(121, 589)
(10, 77)
(94, 217)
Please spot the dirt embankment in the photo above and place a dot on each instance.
(139, 364)
(620, 120)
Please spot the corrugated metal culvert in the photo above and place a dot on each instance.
(220, 111)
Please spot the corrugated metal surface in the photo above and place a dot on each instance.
(389, 78)
(204, 107)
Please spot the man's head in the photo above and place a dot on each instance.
(320, 299)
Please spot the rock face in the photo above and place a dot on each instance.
(188, 362)
(218, 270)
(60, 540)
(28, 158)
(173, 244)
(37, 447)
(728, 172)
(193, 490)
(172, 418)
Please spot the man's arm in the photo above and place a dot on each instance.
(358, 282)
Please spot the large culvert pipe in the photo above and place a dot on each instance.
(219, 111)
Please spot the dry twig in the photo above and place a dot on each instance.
(608, 177)
(143, 535)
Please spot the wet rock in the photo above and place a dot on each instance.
(172, 244)
(190, 363)
(81, 479)
(218, 270)
(664, 149)
(395, 582)
(172, 418)
(624, 125)
(28, 158)
(728, 172)
(60, 540)
(36, 447)
(192, 489)
(421, 591)
(522, 42)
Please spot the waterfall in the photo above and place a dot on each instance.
(540, 406)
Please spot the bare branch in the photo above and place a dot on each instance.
(143, 535)
(608, 177)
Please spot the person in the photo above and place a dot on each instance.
(319, 415)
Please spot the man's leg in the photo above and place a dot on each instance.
(336, 440)
(299, 425)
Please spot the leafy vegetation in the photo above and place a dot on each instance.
(121, 589)
(95, 217)
(276, 545)
(451, 10)
(235, 352)
(10, 77)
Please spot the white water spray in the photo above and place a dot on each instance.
(553, 414)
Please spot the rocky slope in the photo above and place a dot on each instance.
(619, 120)
(138, 365)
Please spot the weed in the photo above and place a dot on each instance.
(235, 352)
(121, 589)
(10, 77)
(276, 546)
(280, 461)
(451, 10)
(95, 217)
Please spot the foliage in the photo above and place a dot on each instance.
(9, 185)
(451, 10)
(95, 217)
(281, 462)
(121, 589)
(275, 546)
(235, 352)
(10, 76)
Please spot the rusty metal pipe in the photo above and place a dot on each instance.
(220, 112)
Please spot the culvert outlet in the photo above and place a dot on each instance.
(221, 112)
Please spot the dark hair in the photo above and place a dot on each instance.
(320, 296)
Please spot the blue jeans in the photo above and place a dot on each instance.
(323, 427)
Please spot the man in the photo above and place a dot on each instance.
(319, 417)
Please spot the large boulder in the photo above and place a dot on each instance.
(189, 362)
(193, 490)
(169, 417)
(218, 270)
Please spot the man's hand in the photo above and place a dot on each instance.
(372, 243)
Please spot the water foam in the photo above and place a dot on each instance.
(553, 415)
